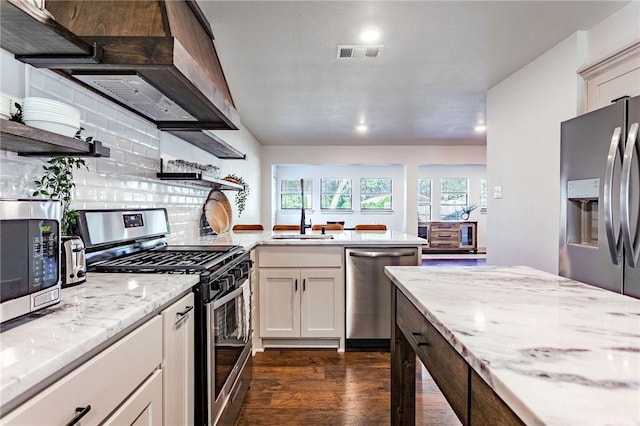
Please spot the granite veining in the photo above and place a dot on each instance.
(557, 351)
(35, 347)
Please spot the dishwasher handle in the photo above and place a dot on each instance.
(374, 254)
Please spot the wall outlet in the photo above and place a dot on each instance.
(497, 192)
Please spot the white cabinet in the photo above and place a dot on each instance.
(145, 378)
(178, 358)
(142, 408)
(301, 296)
(102, 383)
(301, 303)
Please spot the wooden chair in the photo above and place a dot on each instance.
(328, 227)
(286, 227)
(367, 227)
(248, 227)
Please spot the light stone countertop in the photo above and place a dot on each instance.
(557, 351)
(251, 239)
(58, 338)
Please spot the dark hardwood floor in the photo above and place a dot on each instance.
(325, 387)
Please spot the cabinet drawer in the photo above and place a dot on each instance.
(444, 244)
(443, 226)
(448, 369)
(103, 382)
(445, 235)
(300, 256)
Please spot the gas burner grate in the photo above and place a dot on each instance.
(178, 260)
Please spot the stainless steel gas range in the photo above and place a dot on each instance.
(135, 241)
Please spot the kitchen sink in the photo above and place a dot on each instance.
(302, 237)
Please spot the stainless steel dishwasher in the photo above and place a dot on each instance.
(368, 292)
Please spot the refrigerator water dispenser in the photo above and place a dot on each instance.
(582, 211)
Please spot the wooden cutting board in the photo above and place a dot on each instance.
(218, 212)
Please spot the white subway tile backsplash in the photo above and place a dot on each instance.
(83, 99)
(95, 120)
(106, 109)
(125, 180)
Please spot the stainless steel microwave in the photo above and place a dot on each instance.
(29, 256)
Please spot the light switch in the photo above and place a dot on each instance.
(497, 192)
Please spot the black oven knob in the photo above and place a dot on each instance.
(237, 273)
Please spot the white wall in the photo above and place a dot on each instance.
(411, 157)
(616, 32)
(472, 172)
(524, 113)
(393, 219)
(523, 157)
(128, 178)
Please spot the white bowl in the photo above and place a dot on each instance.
(49, 105)
(61, 129)
(51, 117)
(5, 107)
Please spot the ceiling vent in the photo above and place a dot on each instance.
(359, 52)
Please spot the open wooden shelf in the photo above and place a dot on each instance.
(29, 141)
(200, 179)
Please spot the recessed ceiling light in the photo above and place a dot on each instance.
(480, 128)
(361, 128)
(370, 35)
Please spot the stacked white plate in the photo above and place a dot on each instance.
(5, 107)
(54, 116)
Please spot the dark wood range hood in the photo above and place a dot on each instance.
(155, 58)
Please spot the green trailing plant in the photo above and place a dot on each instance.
(241, 195)
(57, 183)
(17, 116)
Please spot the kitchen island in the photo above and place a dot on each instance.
(513, 344)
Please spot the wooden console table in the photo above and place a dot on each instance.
(449, 236)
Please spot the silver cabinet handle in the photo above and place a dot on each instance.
(631, 242)
(614, 242)
(382, 253)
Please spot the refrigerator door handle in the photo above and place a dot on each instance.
(614, 242)
(631, 242)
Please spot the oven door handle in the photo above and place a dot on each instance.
(228, 297)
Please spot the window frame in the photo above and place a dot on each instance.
(390, 194)
(429, 204)
(457, 205)
(323, 194)
(308, 195)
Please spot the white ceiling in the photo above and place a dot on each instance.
(427, 87)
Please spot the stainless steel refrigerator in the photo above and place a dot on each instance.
(600, 198)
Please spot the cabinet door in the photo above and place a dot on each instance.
(322, 303)
(143, 408)
(102, 383)
(280, 302)
(178, 357)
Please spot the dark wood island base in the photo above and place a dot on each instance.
(473, 401)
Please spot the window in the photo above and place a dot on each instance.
(483, 194)
(291, 196)
(375, 194)
(335, 194)
(453, 197)
(424, 200)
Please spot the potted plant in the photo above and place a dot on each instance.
(57, 182)
(241, 195)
